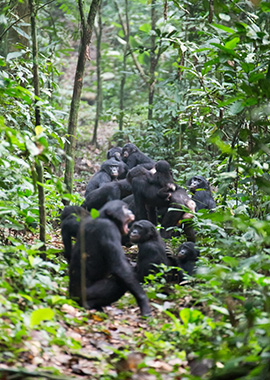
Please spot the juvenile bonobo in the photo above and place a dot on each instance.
(71, 217)
(151, 191)
(108, 274)
(173, 215)
(108, 172)
(151, 248)
(108, 192)
(185, 259)
(115, 153)
(132, 156)
(202, 194)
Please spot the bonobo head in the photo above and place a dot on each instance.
(142, 231)
(128, 149)
(164, 174)
(119, 213)
(198, 182)
(114, 152)
(187, 252)
(111, 167)
(137, 171)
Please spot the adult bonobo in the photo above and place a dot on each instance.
(71, 218)
(151, 191)
(202, 194)
(132, 156)
(151, 248)
(108, 172)
(115, 153)
(106, 272)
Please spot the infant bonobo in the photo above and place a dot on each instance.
(108, 274)
(151, 248)
(185, 259)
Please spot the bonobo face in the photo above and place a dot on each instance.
(114, 171)
(128, 149)
(142, 231)
(135, 233)
(187, 252)
(198, 182)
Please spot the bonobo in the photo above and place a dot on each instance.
(202, 194)
(132, 156)
(185, 260)
(108, 172)
(108, 274)
(71, 217)
(173, 215)
(151, 248)
(151, 191)
(108, 192)
(115, 153)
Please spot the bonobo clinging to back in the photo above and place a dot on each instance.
(108, 172)
(132, 156)
(108, 274)
(151, 248)
(202, 194)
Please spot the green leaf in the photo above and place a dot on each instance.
(236, 108)
(232, 43)
(41, 315)
(220, 309)
(14, 54)
(265, 6)
(94, 213)
(145, 28)
(225, 28)
(133, 43)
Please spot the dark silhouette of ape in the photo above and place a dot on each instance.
(106, 272)
(202, 194)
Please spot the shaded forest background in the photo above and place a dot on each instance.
(186, 81)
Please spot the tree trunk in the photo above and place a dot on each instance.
(123, 79)
(87, 28)
(39, 165)
(99, 80)
(153, 62)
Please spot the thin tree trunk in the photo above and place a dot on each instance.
(87, 28)
(99, 79)
(153, 62)
(39, 165)
(123, 79)
(126, 34)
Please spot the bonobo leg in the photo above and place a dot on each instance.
(104, 292)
